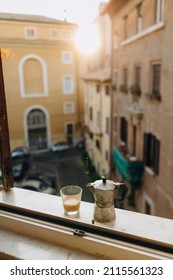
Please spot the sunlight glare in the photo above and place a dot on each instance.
(87, 39)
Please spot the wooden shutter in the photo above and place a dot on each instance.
(157, 156)
(145, 155)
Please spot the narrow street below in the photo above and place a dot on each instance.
(70, 167)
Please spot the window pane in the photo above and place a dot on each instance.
(156, 78)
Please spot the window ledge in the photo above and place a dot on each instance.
(147, 31)
(30, 237)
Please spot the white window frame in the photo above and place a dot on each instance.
(159, 11)
(66, 109)
(139, 19)
(68, 88)
(28, 29)
(67, 57)
(23, 92)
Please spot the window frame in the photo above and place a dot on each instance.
(28, 29)
(40, 60)
(159, 11)
(68, 84)
(156, 78)
(66, 60)
(123, 130)
(66, 110)
(54, 33)
(151, 152)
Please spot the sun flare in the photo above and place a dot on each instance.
(87, 39)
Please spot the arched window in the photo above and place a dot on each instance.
(33, 76)
(36, 118)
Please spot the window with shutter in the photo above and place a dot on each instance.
(151, 152)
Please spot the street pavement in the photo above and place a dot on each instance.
(71, 169)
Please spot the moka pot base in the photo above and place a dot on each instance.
(104, 214)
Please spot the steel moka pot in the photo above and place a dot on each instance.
(105, 192)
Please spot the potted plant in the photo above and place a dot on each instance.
(154, 95)
(123, 88)
(135, 90)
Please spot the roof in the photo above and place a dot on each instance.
(33, 18)
(101, 75)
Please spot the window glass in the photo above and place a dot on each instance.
(54, 33)
(30, 32)
(151, 152)
(156, 79)
(68, 84)
(67, 57)
(69, 107)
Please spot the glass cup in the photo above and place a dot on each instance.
(71, 199)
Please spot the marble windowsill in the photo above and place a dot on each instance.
(17, 243)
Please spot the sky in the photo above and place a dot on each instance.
(81, 12)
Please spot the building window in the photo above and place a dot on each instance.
(91, 135)
(134, 142)
(98, 119)
(115, 123)
(33, 76)
(125, 76)
(138, 75)
(139, 18)
(98, 144)
(106, 155)
(156, 79)
(54, 33)
(107, 125)
(98, 88)
(91, 113)
(116, 41)
(30, 32)
(68, 86)
(67, 57)
(125, 27)
(159, 11)
(107, 89)
(151, 152)
(68, 108)
(124, 85)
(123, 130)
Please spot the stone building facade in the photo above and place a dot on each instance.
(142, 83)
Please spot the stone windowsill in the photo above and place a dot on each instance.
(21, 236)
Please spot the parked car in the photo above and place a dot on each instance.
(60, 146)
(20, 152)
(50, 177)
(20, 168)
(81, 144)
(36, 185)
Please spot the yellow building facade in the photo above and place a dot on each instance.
(41, 80)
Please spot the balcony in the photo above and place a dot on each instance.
(131, 171)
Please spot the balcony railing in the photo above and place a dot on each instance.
(131, 171)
